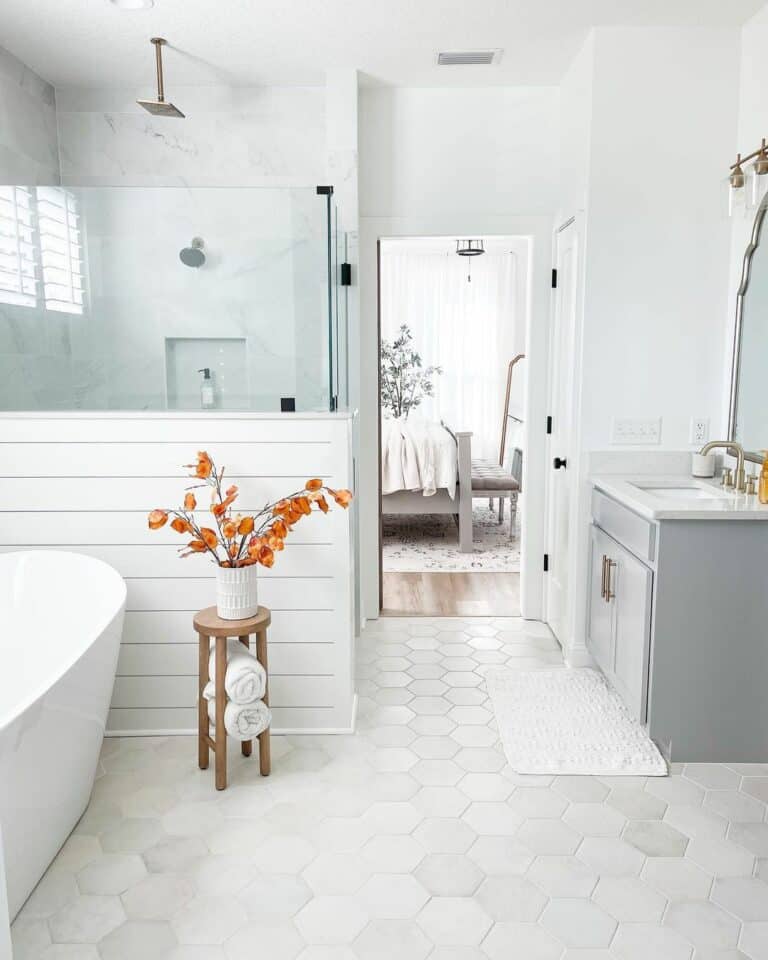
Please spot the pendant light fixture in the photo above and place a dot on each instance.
(470, 248)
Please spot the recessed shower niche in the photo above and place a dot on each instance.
(186, 361)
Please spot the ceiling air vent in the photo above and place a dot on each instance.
(453, 58)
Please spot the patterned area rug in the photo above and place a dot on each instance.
(419, 544)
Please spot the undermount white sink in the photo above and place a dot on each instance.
(692, 491)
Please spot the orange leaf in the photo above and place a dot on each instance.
(196, 546)
(157, 519)
(281, 508)
(229, 529)
(314, 484)
(180, 525)
(266, 557)
(280, 529)
(255, 545)
(342, 497)
(204, 466)
(323, 504)
(190, 502)
(218, 509)
(209, 537)
(275, 543)
(245, 526)
(231, 491)
(302, 504)
(233, 548)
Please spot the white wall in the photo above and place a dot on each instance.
(29, 152)
(86, 483)
(646, 173)
(657, 242)
(452, 162)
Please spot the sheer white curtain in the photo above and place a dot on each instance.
(466, 328)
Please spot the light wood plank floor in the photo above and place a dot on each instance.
(470, 594)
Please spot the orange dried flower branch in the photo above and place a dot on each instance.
(241, 540)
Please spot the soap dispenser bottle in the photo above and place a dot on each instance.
(207, 399)
(763, 487)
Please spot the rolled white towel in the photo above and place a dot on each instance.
(242, 721)
(245, 680)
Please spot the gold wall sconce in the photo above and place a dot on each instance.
(741, 176)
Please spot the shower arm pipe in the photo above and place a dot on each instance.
(159, 42)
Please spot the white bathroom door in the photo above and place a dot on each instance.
(560, 470)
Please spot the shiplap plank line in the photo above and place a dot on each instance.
(196, 434)
(149, 692)
(163, 562)
(172, 719)
(75, 529)
(180, 659)
(194, 593)
(287, 627)
(134, 493)
(161, 459)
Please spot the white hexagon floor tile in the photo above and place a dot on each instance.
(411, 839)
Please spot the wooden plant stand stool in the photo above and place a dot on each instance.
(209, 625)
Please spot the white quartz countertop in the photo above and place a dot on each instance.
(680, 498)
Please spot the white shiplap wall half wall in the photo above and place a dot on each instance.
(86, 482)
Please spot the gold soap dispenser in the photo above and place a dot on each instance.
(763, 487)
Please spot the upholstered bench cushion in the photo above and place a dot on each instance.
(490, 476)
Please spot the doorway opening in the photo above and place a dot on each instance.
(452, 329)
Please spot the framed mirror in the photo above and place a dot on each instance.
(748, 421)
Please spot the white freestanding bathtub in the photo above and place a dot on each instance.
(61, 616)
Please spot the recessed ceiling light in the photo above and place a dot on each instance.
(133, 4)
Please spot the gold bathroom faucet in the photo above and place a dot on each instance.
(740, 478)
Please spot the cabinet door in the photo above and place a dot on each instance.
(631, 584)
(600, 627)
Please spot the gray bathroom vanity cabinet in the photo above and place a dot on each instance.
(678, 613)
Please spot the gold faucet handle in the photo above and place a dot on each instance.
(751, 489)
(727, 480)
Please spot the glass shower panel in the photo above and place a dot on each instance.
(118, 298)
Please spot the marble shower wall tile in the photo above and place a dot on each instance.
(270, 136)
(29, 150)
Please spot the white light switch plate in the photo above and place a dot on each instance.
(627, 430)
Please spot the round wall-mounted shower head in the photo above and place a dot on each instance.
(193, 256)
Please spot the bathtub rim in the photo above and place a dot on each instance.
(39, 691)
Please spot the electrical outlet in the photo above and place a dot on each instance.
(626, 430)
(699, 431)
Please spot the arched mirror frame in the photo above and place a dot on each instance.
(746, 269)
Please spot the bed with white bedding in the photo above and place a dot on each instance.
(426, 468)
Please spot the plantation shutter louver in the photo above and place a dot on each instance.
(18, 269)
(61, 250)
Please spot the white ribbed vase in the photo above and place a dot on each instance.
(236, 592)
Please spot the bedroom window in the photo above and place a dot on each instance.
(61, 250)
(18, 267)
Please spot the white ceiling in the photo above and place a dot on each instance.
(93, 43)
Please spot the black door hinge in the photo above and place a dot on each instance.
(549, 424)
(346, 274)
(546, 563)
(554, 277)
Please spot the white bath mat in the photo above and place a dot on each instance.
(569, 722)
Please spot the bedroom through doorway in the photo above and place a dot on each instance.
(452, 367)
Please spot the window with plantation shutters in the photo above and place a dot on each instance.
(61, 250)
(18, 247)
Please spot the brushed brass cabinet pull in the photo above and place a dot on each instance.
(602, 585)
(609, 594)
